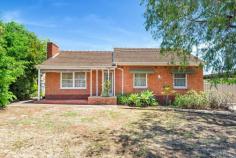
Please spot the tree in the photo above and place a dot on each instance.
(25, 47)
(10, 69)
(20, 51)
(207, 25)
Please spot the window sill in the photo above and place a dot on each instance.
(72, 88)
(140, 87)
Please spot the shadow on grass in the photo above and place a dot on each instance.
(203, 135)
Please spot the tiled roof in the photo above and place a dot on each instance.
(120, 56)
(80, 59)
(148, 56)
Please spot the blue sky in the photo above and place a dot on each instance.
(82, 24)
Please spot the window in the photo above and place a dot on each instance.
(180, 81)
(80, 81)
(67, 80)
(140, 80)
(73, 80)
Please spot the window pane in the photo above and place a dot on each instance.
(79, 75)
(80, 79)
(67, 83)
(79, 83)
(67, 76)
(140, 80)
(179, 82)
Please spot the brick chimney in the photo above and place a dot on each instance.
(52, 49)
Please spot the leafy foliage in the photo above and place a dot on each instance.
(203, 100)
(208, 26)
(123, 99)
(106, 88)
(20, 51)
(192, 100)
(10, 69)
(145, 98)
(25, 47)
(167, 90)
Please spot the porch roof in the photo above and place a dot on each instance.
(78, 60)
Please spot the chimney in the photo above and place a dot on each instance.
(52, 49)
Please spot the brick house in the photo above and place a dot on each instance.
(76, 75)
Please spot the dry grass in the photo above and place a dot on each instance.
(110, 131)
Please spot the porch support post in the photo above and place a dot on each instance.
(96, 82)
(39, 84)
(102, 78)
(114, 82)
(108, 73)
(122, 82)
(91, 82)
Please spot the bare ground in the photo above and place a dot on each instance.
(33, 130)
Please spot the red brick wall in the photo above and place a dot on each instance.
(102, 100)
(194, 81)
(53, 91)
(52, 49)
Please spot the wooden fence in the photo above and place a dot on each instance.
(221, 88)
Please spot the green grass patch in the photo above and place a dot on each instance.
(70, 114)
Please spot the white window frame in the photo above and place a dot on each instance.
(73, 77)
(146, 86)
(180, 87)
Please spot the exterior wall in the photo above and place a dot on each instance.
(53, 91)
(194, 80)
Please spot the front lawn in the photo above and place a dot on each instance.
(110, 131)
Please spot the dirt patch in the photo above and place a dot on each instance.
(111, 131)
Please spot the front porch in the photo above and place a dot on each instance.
(90, 93)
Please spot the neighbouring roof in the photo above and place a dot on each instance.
(148, 56)
(120, 56)
(75, 59)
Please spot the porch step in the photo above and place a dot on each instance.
(59, 101)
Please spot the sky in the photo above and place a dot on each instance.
(82, 24)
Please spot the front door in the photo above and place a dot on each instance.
(110, 78)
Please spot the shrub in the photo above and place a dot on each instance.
(145, 98)
(219, 100)
(134, 99)
(123, 99)
(192, 100)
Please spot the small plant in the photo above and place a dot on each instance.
(145, 98)
(134, 99)
(192, 100)
(106, 88)
(167, 91)
(123, 99)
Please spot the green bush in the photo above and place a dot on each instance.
(192, 100)
(123, 99)
(134, 99)
(145, 98)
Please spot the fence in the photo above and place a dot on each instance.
(221, 88)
